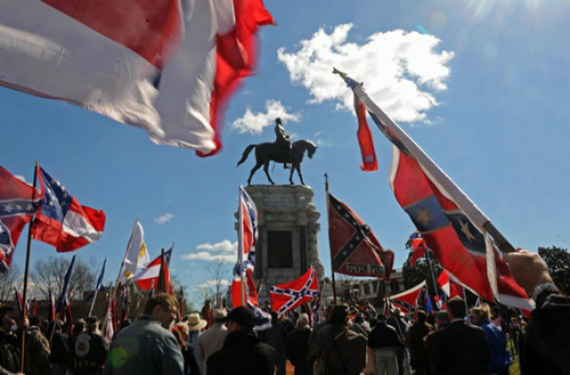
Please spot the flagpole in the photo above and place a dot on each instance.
(93, 303)
(329, 220)
(481, 221)
(26, 270)
(240, 249)
(161, 279)
(112, 295)
(429, 260)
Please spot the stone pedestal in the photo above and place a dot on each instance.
(288, 226)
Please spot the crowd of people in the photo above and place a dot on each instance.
(351, 340)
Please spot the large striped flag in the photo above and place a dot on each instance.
(453, 227)
(167, 66)
(247, 239)
(148, 277)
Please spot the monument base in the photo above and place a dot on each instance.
(287, 240)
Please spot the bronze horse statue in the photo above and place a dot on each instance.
(268, 151)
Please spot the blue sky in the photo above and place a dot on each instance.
(494, 76)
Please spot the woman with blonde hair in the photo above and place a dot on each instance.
(501, 358)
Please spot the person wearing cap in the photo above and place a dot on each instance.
(147, 347)
(90, 350)
(243, 352)
(212, 339)
(335, 348)
(386, 343)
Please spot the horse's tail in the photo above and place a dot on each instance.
(246, 154)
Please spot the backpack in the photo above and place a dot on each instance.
(330, 362)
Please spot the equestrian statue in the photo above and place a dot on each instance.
(281, 151)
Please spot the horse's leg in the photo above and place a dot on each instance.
(291, 174)
(253, 170)
(300, 174)
(266, 169)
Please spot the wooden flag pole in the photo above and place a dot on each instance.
(26, 273)
(329, 219)
(161, 278)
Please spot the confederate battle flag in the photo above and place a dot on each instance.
(286, 297)
(354, 247)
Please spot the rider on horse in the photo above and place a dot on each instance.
(283, 140)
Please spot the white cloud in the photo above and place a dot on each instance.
(163, 219)
(212, 283)
(254, 123)
(226, 246)
(204, 255)
(224, 251)
(401, 70)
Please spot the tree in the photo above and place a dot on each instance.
(214, 289)
(49, 274)
(558, 261)
(8, 281)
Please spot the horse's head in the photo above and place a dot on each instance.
(306, 145)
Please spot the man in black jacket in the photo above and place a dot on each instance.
(460, 348)
(386, 343)
(243, 352)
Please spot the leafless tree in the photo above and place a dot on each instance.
(216, 287)
(49, 274)
(8, 281)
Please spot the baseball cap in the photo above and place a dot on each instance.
(242, 316)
